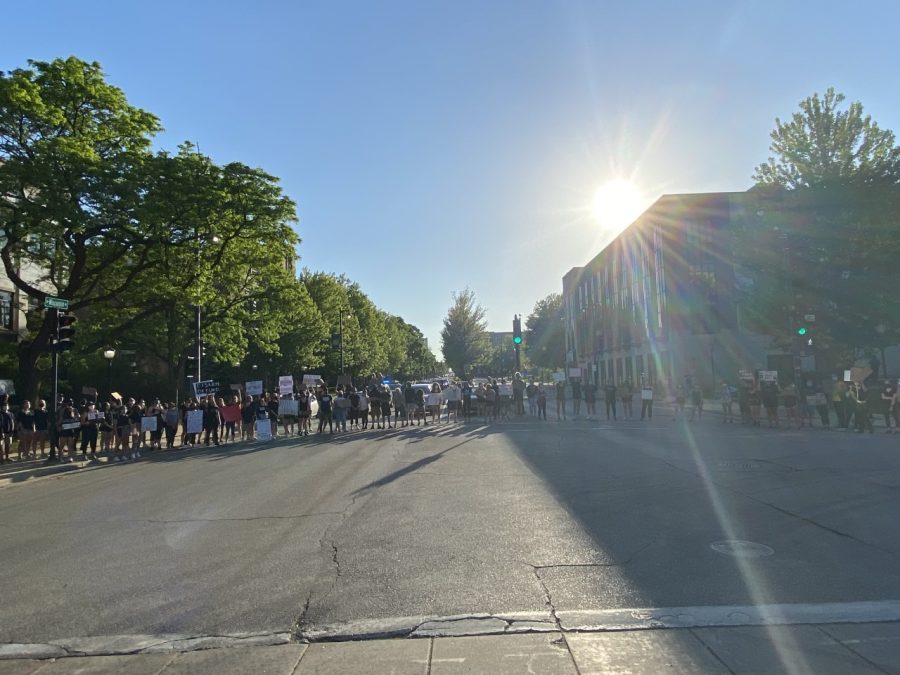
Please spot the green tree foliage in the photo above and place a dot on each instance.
(823, 144)
(545, 338)
(73, 158)
(136, 240)
(464, 335)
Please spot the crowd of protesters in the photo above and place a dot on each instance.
(119, 429)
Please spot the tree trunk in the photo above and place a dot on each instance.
(30, 352)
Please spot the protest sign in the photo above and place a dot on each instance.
(89, 391)
(263, 430)
(559, 376)
(7, 387)
(574, 372)
(236, 387)
(231, 413)
(287, 408)
(205, 388)
(746, 374)
(646, 394)
(433, 399)
(768, 375)
(506, 390)
(194, 421)
(70, 426)
(286, 385)
(116, 395)
(344, 379)
(253, 388)
(148, 423)
(311, 380)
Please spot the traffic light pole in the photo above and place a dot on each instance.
(51, 412)
(341, 324)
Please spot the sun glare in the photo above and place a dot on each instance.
(617, 204)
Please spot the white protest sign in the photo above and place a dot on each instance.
(745, 375)
(287, 408)
(148, 423)
(646, 394)
(506, 390)
(433, 399)
(559, 376)
(286, 384)
(574, 372)
(847, 377)
(263, 430)
(194, 421)
(311, 379)
(768, 375)
(253, 388)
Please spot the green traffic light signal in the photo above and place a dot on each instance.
(801, 331)
(517, 339)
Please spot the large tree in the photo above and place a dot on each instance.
(545, 335)
(464, 335)
(74, 156)
(824, 144)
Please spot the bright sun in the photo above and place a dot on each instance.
(617, 204)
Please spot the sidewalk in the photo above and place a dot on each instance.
(824, 648)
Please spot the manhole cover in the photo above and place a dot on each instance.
(741, 549)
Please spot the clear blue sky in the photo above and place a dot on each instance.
(436, 145)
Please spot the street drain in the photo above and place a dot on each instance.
(741, 549)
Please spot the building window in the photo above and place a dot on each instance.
(6, 310)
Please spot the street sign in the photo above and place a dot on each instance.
(55, 303)
(809, 317)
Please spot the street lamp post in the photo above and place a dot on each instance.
(341, 332)
(109, 354)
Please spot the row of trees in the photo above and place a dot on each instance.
(467, 348)
(137, 239)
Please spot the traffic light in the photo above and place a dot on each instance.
(65, 332)
(517, 330)
(335, 341)
(801, 331)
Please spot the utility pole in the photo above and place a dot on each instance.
(54, 356)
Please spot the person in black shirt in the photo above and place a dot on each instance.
(211, 422)
(609, 394)
(41, 426)
(7, 431)
(66, 425)
(576, 397)
(325, 411)
(89, 432)
(859, 396)
(25, 426)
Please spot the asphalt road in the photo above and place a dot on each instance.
(359, 531)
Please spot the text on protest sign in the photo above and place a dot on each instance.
(194, 421)
(285, 384)
(253, 388)
(205, 388)
(263, 430)
(148, 423)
